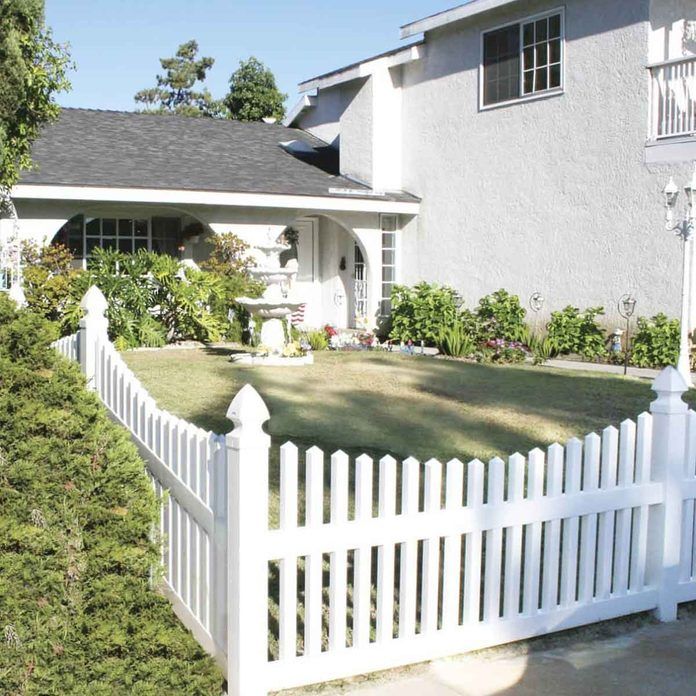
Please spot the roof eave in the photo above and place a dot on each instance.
(469, 9)
(410, 53)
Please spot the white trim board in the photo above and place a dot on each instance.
(248, 200)
(468, 9)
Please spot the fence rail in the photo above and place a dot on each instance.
(673, 98)
(378, 564)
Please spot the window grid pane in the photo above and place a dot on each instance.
(542, 55)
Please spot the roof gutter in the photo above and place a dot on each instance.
(347, 203)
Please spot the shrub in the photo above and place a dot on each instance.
(539, 344)
(48, 278)
(422, 312)
(502, 352)
(501, 316)
(318, 340)
(456, 341)
(77, 511)
(656, 342)
(573, 331)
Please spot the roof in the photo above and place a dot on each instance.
(454, 14)
(119, 149)
(395, 56)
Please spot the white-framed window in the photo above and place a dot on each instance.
(523, 60)
(388, 225)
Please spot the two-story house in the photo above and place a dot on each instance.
(521, 144)
(538, 135)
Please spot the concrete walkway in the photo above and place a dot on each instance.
(655, 659)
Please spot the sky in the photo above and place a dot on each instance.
(116, 44)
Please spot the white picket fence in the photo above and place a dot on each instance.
(402, 562)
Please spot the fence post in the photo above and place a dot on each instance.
(664, 532)
(247, 525)
(93, 326)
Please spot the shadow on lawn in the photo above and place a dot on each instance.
(487, 409)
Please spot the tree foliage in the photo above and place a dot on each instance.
(253, 93)
(32, 70)
(78, 614)
(176, 90)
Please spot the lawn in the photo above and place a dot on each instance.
(383, 403)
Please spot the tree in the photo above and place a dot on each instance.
(32, 70)
(253, 93)
(174, 92)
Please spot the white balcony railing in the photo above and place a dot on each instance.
(673, 110)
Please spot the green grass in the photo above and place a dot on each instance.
(389, 403)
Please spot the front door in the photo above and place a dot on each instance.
(359, 289)
(307, 285)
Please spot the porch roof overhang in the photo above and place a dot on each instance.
(346, 202)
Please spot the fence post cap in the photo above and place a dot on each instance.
(93, 302)
(669, 385)
(247, 409)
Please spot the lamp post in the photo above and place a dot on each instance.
(684, 229)
(627, 306)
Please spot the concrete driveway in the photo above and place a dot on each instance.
(651, 660)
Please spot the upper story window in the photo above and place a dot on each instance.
(522, 60)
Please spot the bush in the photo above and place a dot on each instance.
(573, 331)
(502, 352)
(656, 342)
(501, 316)
(318, 340)
(48, 278)
(422, 312)
(77, 611)
(456, 341)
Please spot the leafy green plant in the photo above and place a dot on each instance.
(318, 340)
(78, 612)
(422, 312)
(656, 342)
(456, 341)
(573, 331)
(501, 352)
(540, 345)
(501, 316)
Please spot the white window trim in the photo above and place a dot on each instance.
(547, 93)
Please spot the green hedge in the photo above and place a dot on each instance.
(77, 612)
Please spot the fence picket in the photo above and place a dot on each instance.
(588, 525)
(605, 538)
(313, 562)
(431, 549)
(494, 543)
(409, 551)
(362, 583)
(338, 565)
(287, 630)
(571, 527)
(622, 542)
(473, 546)
(513, 546)
(385, 553)
(451, 585)
(552, 535)
(532, 551)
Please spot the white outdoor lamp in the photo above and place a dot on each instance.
(684, 230)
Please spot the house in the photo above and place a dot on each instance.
(509, 143)
(163, 182)
(538, 135)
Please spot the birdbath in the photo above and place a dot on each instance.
(275, 305)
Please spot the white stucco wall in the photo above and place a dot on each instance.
(550, 195)
(356, 131)
(322, 120)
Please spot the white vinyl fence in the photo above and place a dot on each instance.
(402, 562)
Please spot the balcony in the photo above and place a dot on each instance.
(672, 111)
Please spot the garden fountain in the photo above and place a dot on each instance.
(275, 306)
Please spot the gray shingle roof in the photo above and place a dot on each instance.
(123, 149)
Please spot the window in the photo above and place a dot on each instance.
(81, 235)
(523, 60)
(388, 225)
